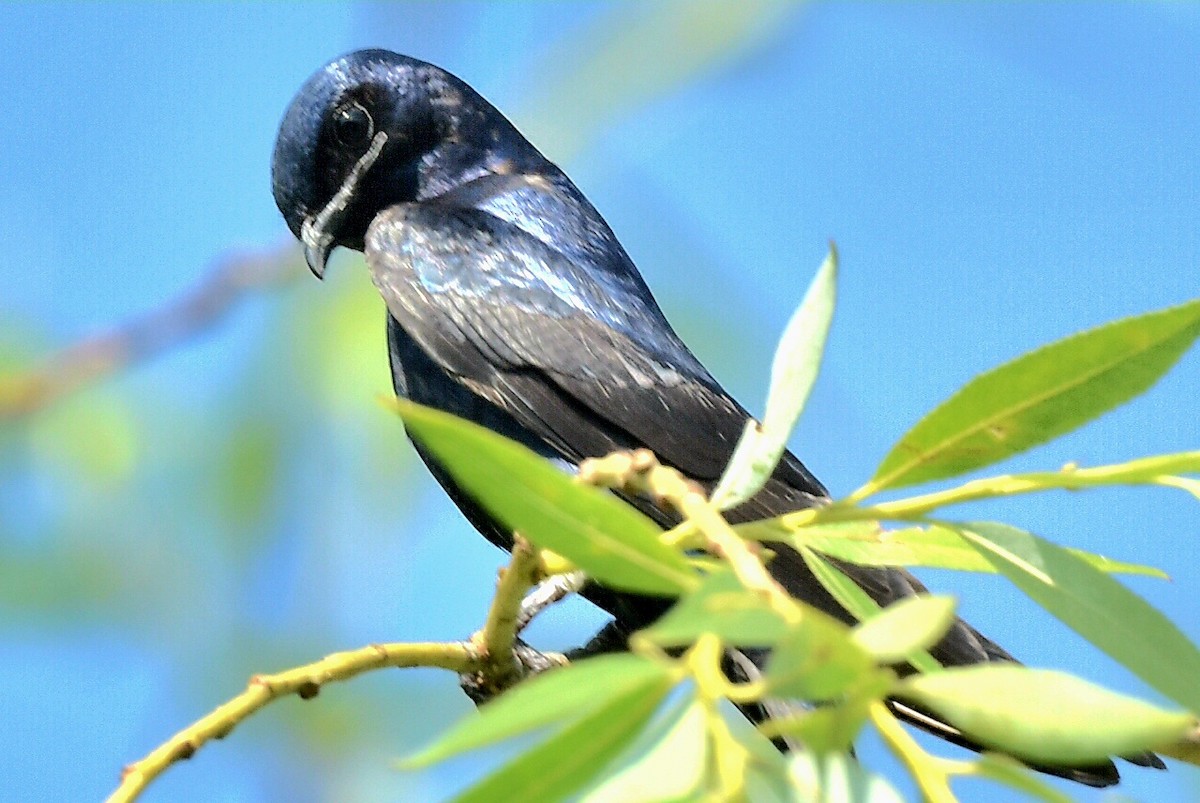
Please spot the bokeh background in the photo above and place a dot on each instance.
(995, 176)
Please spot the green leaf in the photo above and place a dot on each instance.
(1039, 396)
(562, 764)
(1110, 566)
(1182, 483)
(793, 373)
(866, 543)
(1041, 715)
(905, 627)
(82, 581)
(833, 728)
(837, 778)
(860, 604)
(816, 660)
(667, 762)
(1145, 469)
(1096, 606)
(847, 593)
(556, 696)
(610, 540)
(758, 765)
(1186, 749)
(721, 606)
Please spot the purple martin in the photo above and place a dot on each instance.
(512, 304)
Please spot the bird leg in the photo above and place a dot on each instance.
(546, 594)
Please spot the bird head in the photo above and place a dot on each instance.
(372, 129)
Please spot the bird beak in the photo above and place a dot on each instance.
(317, 232)
(317, 245)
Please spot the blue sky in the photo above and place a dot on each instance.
(996, 176)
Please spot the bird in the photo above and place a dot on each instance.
(511, 303)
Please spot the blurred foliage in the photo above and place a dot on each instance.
(634, 53)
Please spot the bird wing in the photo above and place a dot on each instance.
(543, 338)
(588, 371)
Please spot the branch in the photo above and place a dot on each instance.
(501, 667)
(491, 660)
(639, 472)
(97, 357)
(305, 682)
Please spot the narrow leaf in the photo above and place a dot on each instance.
(1144, 469)
(559, 695)
(721, 606)
(1182, 483)
(838, 778)
(847, 593)
(562, 764)
(1041, 715)
(750, 761)
(904, 627)
(793, 372)
(816, 660)
(1039, 396)
(667, 762)
(828, 728)
(1096, 606)
(856, 601)
(610, 540)
(866, 543)
(1186, 749)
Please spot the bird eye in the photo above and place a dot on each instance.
(352, 125)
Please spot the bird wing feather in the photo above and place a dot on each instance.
(523, 326)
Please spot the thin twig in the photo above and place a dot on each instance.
(505, 659)
(97, 357)
(500, 630)
(303, 681)
(1157, 470)
(489, 656)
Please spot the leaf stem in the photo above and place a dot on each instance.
(1157, 470)
(929, 772)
